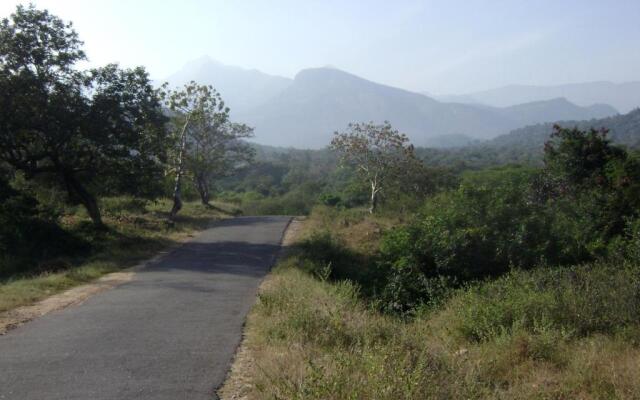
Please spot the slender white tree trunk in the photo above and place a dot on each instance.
(177, 189)
(374, 197)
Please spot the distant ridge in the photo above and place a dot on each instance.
(623, 96)
(623, 129)
(321, 100)
(304, 112)
(240, 88)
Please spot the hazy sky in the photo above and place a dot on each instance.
(435, 46)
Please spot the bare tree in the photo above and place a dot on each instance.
(378, 152)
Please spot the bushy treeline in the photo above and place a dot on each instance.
(525, 145)
(582, 205)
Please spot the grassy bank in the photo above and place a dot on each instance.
(548, 333)
(135, 231)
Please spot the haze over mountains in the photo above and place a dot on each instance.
(623, 96)
(305, 111)
(241, 88)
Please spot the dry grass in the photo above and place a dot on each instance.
(358, 229)
(308, 338)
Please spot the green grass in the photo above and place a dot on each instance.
(136, 231)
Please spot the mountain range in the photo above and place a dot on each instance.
(623, 96)
(305, 111)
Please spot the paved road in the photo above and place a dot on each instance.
(170, 333)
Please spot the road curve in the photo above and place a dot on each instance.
(170, 333)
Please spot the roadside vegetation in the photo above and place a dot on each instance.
(523, 336)
(518, 283)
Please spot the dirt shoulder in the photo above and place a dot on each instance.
(13, 318)
(238, 382)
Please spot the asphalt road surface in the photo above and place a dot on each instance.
(170, 333)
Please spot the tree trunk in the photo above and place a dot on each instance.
(77, 191)
(373, 204)
(177, 189)
(203, 190)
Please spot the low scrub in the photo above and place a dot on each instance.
(575, 302)
(520, 337)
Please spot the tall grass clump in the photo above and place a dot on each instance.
(579, 301)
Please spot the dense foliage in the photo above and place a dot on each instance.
(75, 126)
(26, 229)
(573, 210)
(582, 205)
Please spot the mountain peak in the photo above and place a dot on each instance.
(326, 71)
(202, 61)
(240, 88)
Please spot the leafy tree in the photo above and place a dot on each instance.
(74, 126)
(578, 156)
(593, 185)
(208, 144)
(215, 148)
(192, 106)
(379, 153)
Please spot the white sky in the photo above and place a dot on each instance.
(435, 46)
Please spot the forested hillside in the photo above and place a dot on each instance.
(623, 129)
(526, 145)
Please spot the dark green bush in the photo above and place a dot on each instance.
(329, 199)
(627, 246)
(406, 288)
(29, 234)
(482, 229)
(582, 206)
(599, 297)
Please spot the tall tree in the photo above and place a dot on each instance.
(192, 107)
(73, 125)
(378, 152)
(208, 144)
(578, 156)
(215, 149)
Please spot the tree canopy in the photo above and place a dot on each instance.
(70, 124)
(378, 152)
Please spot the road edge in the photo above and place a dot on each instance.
(16, 317)
(237, 375)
